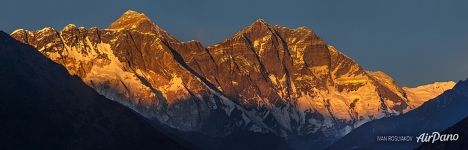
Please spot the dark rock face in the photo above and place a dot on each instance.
(265, 79)
(433, 116)
(279, 65)
(266, 67)
(42, 107)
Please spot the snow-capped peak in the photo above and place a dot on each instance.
(17, 31)
(133, 20)
(131, 12)
(260, 20)
(420, 94)
(266, 78)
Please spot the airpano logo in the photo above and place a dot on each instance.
(436, 136)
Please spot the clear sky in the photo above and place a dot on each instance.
(414, 41)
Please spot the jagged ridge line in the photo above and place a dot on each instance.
(179, 59)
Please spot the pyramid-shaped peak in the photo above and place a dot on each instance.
(260, 22)
(259, 25)
(256, 29)
(131, 14)
(134, 20)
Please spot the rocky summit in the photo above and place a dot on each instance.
(265, 79)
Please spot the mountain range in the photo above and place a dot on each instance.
(265, 80)
(435, 115)
(43, 107)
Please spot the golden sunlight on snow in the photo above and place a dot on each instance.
(419, 95)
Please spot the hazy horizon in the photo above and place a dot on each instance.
(414, 42)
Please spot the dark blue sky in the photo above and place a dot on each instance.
(414, 41)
